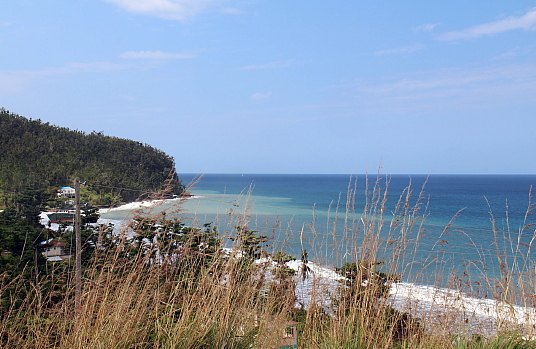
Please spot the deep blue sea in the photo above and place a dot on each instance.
(465, 227)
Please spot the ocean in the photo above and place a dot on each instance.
(458, 231)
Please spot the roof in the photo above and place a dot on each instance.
(54, 243)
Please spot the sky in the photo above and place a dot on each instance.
(258, 86)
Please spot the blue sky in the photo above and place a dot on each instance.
(256, 86)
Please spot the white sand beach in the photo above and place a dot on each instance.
(451, 309)
(139, 204)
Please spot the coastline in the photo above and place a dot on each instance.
(135, 205)
(128, 208)
(480, 315)
(431, 304)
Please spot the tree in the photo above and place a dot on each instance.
(29, 204)
(281, 296)
(359, 275)
(249, 243)
(361, 299)
(20, 256)
(21, 233)
(174, 245)
(40, 155)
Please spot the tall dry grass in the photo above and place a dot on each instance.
(192, 300)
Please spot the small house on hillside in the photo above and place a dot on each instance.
(278, 333)
(289, 337)
(66, 192)
(284, 333)
(55, 250)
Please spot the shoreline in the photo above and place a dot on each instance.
(422, 301)
(429, 303)
(135, 205)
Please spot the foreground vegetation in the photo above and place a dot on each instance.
(167, 285)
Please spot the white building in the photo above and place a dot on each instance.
(55, 250)
(66, 192)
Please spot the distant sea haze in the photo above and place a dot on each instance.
(449, 226)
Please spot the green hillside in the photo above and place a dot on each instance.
(38, 155)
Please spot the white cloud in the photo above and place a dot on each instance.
(20, 80)
(168, 9)
(275, 64)
(446, 89)
(527, 22)
(512, 53)
(155, 55)
(260, 96)
(233, 11)
(91, 67)
(401, 50)
(428, 27)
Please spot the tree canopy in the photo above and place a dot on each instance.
(37, 155)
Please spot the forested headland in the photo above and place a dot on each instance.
(36, 155)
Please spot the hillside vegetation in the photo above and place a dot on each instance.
(39, 155)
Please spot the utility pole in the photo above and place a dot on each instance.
(78, 248)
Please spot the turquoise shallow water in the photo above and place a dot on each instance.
(322, 213)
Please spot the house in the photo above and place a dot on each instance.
(66, 192)
(289, 337)
(283, 333)
(55, 250)
(58, 217)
